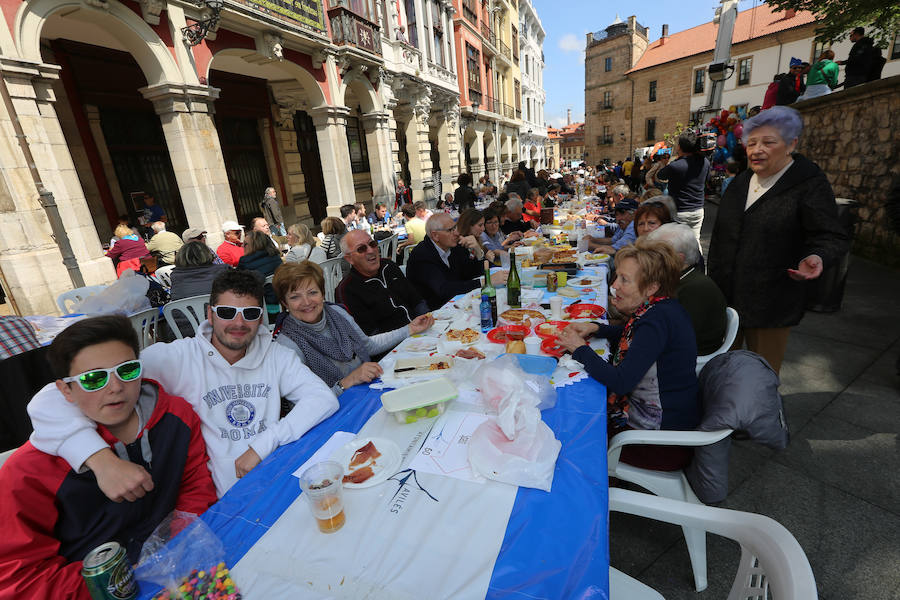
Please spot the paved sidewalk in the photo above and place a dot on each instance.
(837, 486)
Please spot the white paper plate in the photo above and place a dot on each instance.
(445, 314)
(418, 344)
(385, 465)
(575, 282)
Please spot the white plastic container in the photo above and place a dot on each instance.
(419, 400)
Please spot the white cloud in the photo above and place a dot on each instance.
(571, 43)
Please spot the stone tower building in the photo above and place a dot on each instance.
(608, 92)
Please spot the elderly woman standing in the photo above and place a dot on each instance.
(777, 228)
(324, 335)
(650, 379)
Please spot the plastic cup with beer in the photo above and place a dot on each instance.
(321, 484)
(561, 278)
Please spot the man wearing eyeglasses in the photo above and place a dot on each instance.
(375, 291)
(54, 515)
(231, 373)
(440, 268)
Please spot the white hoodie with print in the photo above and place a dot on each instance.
(239, 405)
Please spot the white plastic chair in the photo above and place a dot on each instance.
(388, 246)
(772, 565)
(668, 484)
(332, 268)
(145, 324)
(164, 275)
(192, 309)
(624, 587)
(75, 296)
(733, 321)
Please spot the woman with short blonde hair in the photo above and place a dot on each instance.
(304, 245)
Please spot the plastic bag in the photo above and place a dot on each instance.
(528, 460)
(128, 295)
(180, 543)
(516, 446)
(504, 378)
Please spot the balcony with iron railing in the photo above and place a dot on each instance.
(504, 49)
(488, 35)
(509, 112)
(348, 28)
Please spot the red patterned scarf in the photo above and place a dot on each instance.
(617, 405)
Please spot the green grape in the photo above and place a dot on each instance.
(421, 412)
(411, 418)
(434, 412)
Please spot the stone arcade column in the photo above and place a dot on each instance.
(29, 257)
(418, 148)
(186, 115)
(448, 146)
(331, 130)
(476, 154)
(381, 163)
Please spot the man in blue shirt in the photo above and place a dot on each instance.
(624, 235)
(152, 211)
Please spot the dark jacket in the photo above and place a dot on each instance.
(788, 90)
(464, 197)
(383, 302)
(860, 61)
(705, 304)
(687, 180)
(53, 516)
(751, 251)
(194, 281)
(264, 264)
(663, 339)
(435, 282)
(520, 187)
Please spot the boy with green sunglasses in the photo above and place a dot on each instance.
(55, 515)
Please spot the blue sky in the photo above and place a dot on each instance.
(566, 23)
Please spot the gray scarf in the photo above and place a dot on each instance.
(319, 351)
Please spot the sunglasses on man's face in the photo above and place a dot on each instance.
(361, 249)
(228, 313)
(96, 379)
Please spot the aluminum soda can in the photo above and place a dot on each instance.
(552, 282)
(108, 574)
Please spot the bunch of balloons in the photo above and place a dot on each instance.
(729, 129)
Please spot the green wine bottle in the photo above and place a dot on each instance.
(488, 290)
(513, 285)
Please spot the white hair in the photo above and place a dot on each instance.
(621, 190)
(666, 201)
(438, 221)
(514, 202)
(345, 244)
(681, 238)
(158, 226)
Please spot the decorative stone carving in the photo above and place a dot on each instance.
(151, 9)
(101, 4)
(319, 57)
(451, 114)
(272, 46)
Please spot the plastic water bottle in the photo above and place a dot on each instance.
(485, 309)
(387, 217)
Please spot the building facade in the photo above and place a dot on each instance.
(487, 59)
(667, 82)
(533, 133)
(551, 148)
(329, 103)
(571, 144)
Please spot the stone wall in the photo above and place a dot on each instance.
(854, 136)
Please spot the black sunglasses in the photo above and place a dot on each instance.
(363, 247)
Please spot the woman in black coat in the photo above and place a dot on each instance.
(776, 229)
(518, 185)
(464, 196)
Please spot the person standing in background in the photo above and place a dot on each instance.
(862, 59)
(403, 195)
(271, 211)
(686, 177)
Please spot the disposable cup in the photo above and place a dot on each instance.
(321, 484)
(533, 344)
(556, 308)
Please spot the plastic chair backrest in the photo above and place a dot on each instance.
(733, 322)
(771, 558)
(192, 311)
(388, 246)
(76, 296)
(333, 275)
(164, 275)
(144, 323)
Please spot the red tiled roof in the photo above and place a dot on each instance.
(750, 24)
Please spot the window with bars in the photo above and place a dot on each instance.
(356, 141)
(651, 129)
(699, 81)
(473, 68)
(607, 64)
(652, 93)
(607, 99)
(518, 93)
(607, 135)
(745, 65)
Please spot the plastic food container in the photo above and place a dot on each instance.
(419, 400)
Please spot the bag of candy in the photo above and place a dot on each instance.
(184, 556)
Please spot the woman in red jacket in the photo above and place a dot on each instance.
(128, 250)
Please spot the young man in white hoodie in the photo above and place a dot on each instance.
(231, 373)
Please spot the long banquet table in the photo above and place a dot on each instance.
(548, 545)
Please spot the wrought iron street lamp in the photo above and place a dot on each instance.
(195, 33)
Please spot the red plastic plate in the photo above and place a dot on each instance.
(508, 333)
(580, 310)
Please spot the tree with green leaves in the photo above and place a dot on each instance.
(837, 18)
